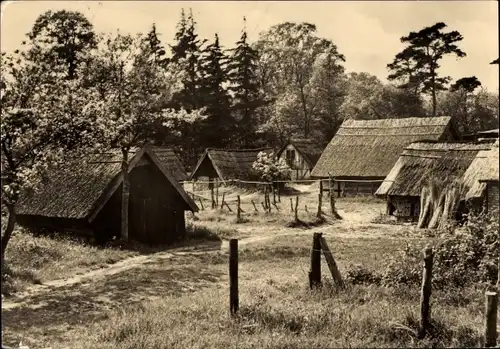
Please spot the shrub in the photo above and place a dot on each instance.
(360, 275)
(462, 256)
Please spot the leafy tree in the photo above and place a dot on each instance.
(289, 54)
(217, 126)
(42, 119)
(133, 107)
(244, 86)
(472, 109)
(63, 38)
(418, 63)
(368, 98)
(270, 168)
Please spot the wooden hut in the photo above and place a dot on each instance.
(85, 197)
(225, 165)
(171, 161)
(417, 165)
(362, 152)
(301, 156)
(482, 178)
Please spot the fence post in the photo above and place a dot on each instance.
(216, 192)
(490, 333)
(332, 265)
(332, 195)
(315, 272)
(238, 212)
(255, 207)
(318, 214)
(212, 194)
(291, 205)
(305, 207)
(297, 208)
(321, 187)
(274, 193)
(233, 276)
(425, 295)
(222, 204)
(201, 203)
(279, 192)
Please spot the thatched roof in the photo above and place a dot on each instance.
(231, 163)
(369, 148)
(484, 167)
(421, 161)
(80, 189)
(309, 149)
(171, 161)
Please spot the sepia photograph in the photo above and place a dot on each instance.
(249, 174)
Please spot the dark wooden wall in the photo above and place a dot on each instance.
(156, 208)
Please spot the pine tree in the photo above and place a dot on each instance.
(156, 50)
(188, 49)
(180, 48)
(215, 98)
(244, 86)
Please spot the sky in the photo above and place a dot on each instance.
(367, 32)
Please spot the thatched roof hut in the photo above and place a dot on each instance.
(422, 161)
(369, 148)
(483, 168)
(85, 196)
(228, 164)
(171, 161)
(310, 150)
(301, 155)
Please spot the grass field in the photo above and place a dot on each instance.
(178, 298)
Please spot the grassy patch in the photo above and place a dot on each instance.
(32, 260)
(284, 313)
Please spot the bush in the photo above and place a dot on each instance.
(462, 256)
(360, 275)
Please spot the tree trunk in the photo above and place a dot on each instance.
(433, 79)
(125, 195)
(8, 230)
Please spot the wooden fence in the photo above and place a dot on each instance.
(319, 245)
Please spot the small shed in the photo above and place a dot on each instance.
(85, 197)
(227, 164)
(171, 161)
(362, 152)
(419, 163)
(482, 178)
(301, 156)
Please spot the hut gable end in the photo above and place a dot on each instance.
(421, 161)
(228, 164)
(81, 189)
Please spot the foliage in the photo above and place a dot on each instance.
(271, 168)
(462, 256)
(245, 90)
(218, 126)
(418, 63)
(62, 38)
(297, 68)
(472, 111)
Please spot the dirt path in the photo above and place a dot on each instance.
(354, 225)
(129, 263)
